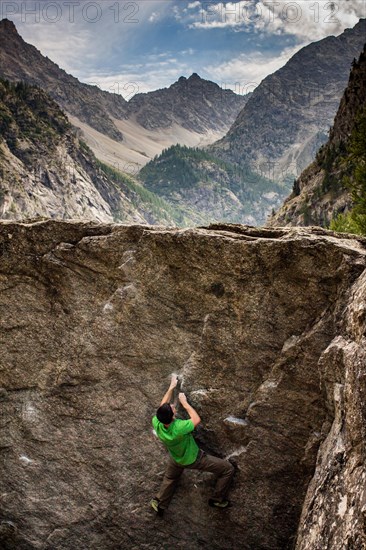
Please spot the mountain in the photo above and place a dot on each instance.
(194, 104)
(288, 116)
(324, 190)
(208, 189)
(266, 329)
(45, 170)
(125, 134)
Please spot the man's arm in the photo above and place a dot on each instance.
(190, 410)
(169, 394)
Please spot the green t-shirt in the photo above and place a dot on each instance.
(178, 439)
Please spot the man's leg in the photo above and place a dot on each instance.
(221, 468)
(172, 474)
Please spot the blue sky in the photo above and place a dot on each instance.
(142, 45)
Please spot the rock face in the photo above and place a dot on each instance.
(288, 116)
(320, 193)
(266, 328)
(334, 513)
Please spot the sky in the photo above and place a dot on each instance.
(142, 45)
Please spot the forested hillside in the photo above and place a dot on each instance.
(210, 189)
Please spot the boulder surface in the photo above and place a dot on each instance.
(266, 328)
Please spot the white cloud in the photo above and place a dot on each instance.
(141, 78)
(221, 15)
(244, 73)
(154, 17)
(83, 32)
(194, 5)
(178, 13)
(302, 18)
(307, 20)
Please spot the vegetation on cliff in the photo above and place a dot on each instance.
(355, 220)
(146, 201)
(31, 123)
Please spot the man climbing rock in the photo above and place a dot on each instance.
(184, 453)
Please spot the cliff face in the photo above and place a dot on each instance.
(267, 330)
(41, 172)
(320, 192)
(337, 492)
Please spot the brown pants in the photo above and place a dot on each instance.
(206, 463)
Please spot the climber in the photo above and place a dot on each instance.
(184, 453)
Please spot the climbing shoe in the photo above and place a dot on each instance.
(218, 504)
(155, 506)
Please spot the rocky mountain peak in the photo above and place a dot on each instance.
(22, 61)
(359, 29)
(7, 26)
(193, 103)
(194, 81)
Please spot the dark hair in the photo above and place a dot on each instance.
(165, 413)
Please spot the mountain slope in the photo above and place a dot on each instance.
(46, 171)
(288, 116)
(209, 189)
(22, 61)
(324, 189)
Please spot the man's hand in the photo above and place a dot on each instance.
(174, 382)
(182, 399)
(190, 410)
(169, 394)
